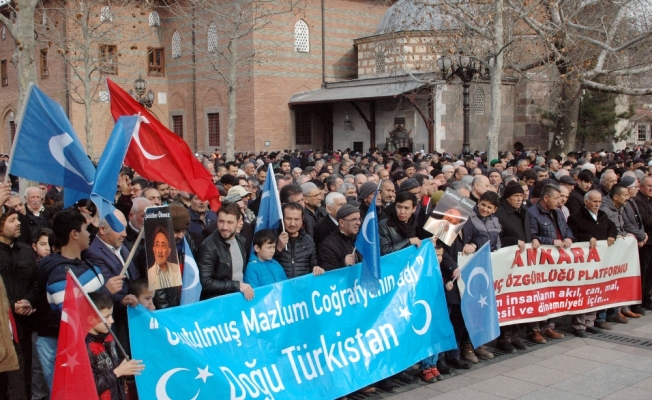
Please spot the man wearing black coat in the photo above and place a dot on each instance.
(295, 249)
(513, 218)
(576, 197)
(328, 224)
(222, 257)
(338, 250)
(591, 224)
(19, 272)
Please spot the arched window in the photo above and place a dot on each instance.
(212, 38)
(478, 101)
(3, 33)
(301, 37)
(176, 45)
(154, 19)
(380, 61)
(44, 18)
(106, 14)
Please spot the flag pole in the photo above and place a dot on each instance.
(132, 253)
(81, 289)
(18, 126)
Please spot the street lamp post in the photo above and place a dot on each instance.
(466, 69)
(139, 86)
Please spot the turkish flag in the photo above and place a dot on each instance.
(158, 154)
(73, 377)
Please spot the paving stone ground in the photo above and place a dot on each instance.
(572, 368)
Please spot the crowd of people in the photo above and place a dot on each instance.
(521, 198)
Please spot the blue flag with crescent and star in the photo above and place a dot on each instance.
(312, 337)
(191, 288)
(368, 244)
(269, 213)
(46, 148)
(479, 298)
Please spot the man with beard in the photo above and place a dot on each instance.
(222, 257)
(19, 273)
(295, 249)
(164, 189)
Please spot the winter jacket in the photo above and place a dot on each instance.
(584, 227)
(391, 239)
(575, 200)
(614, 214)
(104, 359)
(52, 271)
(300, 257)
(44, 220)
(487, 229)
(644, 205)
(334, 249)
(19, 271)
(215, 266)
(543, 225)
(311, 219)
(515, 224)
(260, 273)
(323, 228)
(633, 221)
(197, 225)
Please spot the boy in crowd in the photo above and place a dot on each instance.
(262, 268)
(108, 372)
(141, 291)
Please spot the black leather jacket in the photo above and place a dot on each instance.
(215, 267)
(391, 239)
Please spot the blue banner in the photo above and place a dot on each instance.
(318, 337)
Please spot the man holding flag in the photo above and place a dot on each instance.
(338, 250)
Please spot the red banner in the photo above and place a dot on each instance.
(551, 282)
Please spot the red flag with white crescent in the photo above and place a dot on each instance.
(158, 154)
(73, 377)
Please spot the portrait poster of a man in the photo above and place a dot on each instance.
(162, 257)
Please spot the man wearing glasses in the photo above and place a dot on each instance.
(338, 249)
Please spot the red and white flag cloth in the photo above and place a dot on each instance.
(73, 377)
(158, 154)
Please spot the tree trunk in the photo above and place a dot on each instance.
(87, 78)
(569, 110)
(232, 86)
(496, 83)
(23, 58)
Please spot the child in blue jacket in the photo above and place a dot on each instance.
(262, 268)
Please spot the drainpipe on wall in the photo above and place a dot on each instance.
(323, 45)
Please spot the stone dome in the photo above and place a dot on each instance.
(411, 15)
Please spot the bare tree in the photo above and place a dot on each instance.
(20, 26)
(596, 44)
(89, 42)
(231, 49)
